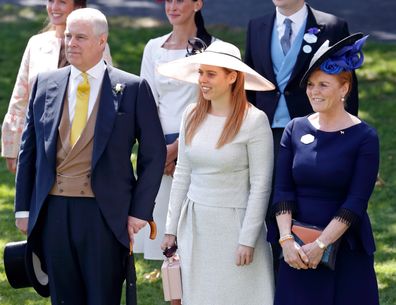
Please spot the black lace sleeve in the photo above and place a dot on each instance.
(284, 207)
(347, 217)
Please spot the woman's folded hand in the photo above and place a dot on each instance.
(294, 255)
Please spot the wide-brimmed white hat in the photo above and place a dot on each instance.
(220, 54)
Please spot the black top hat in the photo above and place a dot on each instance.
(23, 268)
(344, 46)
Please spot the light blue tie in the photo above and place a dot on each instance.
(286, 38)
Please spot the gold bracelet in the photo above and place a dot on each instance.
(285, 237)
(321, 244)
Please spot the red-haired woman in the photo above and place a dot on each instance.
(325, 174)
(222, 183)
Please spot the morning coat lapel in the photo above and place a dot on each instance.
(264, 38)
(55, 96)
(304, 58)
(107, 113)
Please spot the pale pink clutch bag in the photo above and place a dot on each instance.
(171, 279)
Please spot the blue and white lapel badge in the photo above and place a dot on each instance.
(310, 37)
(307, 138)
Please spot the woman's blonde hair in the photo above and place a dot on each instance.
(239, 104)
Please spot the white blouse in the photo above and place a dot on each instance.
(172, 96)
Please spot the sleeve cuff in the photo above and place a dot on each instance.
(347, 217)
(22, 214)
(246, 242)
(283, 207)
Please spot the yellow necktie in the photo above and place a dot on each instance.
(81, 109)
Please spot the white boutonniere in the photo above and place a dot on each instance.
(310, 37)
(118, 88)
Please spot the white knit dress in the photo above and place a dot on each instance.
(218, 200)
(172, 97)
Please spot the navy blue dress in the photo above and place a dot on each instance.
(320, 176)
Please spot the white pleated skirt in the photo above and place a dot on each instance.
(208, 239)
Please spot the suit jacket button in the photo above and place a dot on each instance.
(82, 192)
(60, 191)
(86, 184)
(88, 176)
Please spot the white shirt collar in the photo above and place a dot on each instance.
(95, 72)
(298, 17)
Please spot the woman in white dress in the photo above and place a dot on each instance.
(222, 183)
(172, 97)
(44, 52)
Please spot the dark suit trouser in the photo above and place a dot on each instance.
(270, 220)
(85, 262)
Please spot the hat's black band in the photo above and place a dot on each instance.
(222, 54)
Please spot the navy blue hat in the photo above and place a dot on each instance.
(23, 268)
(345, 55)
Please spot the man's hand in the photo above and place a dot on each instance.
(22, 224)
(11, 164)
(134, 226)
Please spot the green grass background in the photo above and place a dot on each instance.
(377, 84)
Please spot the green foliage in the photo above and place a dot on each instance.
(127, 40)
(378, 95)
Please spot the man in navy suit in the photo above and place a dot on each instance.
(284, 67)
(77, 198)
(289, 100)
